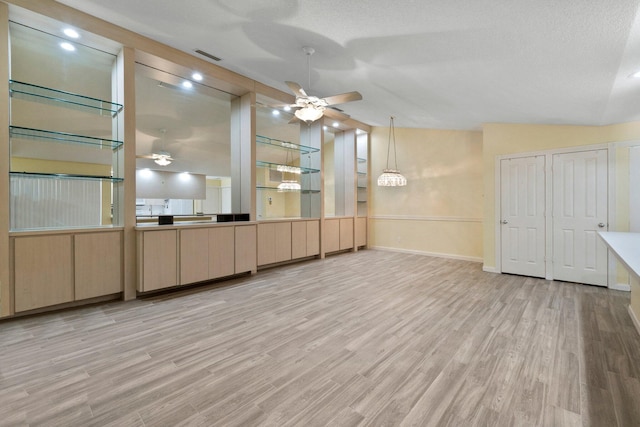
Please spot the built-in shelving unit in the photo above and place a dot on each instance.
(29, 193)
(279, 161)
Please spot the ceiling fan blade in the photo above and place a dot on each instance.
(140, 156)
(335, 114)
(343, 98)
(297, 89)
(294, 119)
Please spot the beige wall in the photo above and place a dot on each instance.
(439, 212)
(635, 300)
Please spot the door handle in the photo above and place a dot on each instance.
(504, 221)
(601, 224)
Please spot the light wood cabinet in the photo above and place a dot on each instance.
(305, 239)
(98, 264)
(159, 260)
(361, 232)
(194, 255)
(346, 233)
(298, 239)
(274, 242)
(331, 242)
(43, 271)
(313, 238)
(246, 247)
(221, 252)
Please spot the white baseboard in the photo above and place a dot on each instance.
(434, 254)
(490, 269)
(635, 320)
(621, 287)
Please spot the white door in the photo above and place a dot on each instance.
(522, 222)
(579, 211)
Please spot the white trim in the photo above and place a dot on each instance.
(433, 254)
(497, 230)
(490, 269)
(576, 149)
(425, 218)
(625, 287)
(634, 319)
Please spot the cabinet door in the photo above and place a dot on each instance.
(298, 239)
(361, 232)
(43, 274)
(331, 235)
(159, 259)
(313, 238)
(194, 255)
(98, 264)
(266, 243)
(346, 233)
(245, 248)
(283, 241)
(221, 252)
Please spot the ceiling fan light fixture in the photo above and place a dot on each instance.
(309, 113)
(162, 160)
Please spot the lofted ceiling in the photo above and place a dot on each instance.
(432, 64)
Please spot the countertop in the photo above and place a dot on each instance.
(626, 247)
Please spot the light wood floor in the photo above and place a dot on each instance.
(368, 338)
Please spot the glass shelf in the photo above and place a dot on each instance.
(66, 176)
(62, 137)
(46, 95)
(274, 166)
(267, 188)
(284, 145)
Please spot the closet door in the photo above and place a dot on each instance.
(522, 222)
(579, 211)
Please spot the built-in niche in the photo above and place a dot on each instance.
(65, 141)
(183, 145)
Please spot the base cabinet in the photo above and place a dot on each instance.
(305, 239)
(158, 255)
(98, 264)
(43, 274)
(222, 254)
(361, 232)
(338, 234)
(274, 242)
(61, 268)
(246, 247)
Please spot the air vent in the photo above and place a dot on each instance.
(208, 55)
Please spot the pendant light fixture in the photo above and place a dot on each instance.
(288, 185)
(392, 177)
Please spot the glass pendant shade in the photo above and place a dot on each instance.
(309, 113)
(391, 177)
(288, 186)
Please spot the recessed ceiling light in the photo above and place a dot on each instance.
(275, 112)
(70, 32)
(287, 108)
(336, 124)
(67, 46)
(197, 77)
(324, 127)
(187, 84)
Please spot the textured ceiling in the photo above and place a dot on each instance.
(432, 64)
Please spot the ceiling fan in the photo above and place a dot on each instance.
(309, 108)
(161, 157)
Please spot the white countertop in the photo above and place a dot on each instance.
(626, 247)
